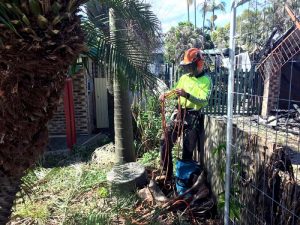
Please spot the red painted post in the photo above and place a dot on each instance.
(69, 113)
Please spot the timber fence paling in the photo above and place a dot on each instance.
(238, 91)
(224, 89)
(219, 92)
(247, 86)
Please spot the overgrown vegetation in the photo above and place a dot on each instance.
(148, 126)
(183, 37)
(75, 193)
(256, 23)
(235, 207)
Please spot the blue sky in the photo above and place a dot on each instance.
(170, 12)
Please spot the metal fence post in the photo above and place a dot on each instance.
(230, 111)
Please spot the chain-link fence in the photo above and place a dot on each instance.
(263, 123)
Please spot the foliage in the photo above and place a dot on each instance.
(275, 16)
(251, 29)
(235, 206)
(126, 53)
(92, 218)
(210, 7)
(220, 36)
(182, 37)
(150, 158)
(60, 193)
(103, 192)
(216, 6)
(255, 24)
(148, 121)
(219, 154)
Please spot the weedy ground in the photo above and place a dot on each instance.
(70, 189)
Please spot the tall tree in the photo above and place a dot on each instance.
(182, 37)
(122, 114)
(38, 42)
(195, 10)
(216, 6)
(188, 3)
(204, 8)
(39, 39)
(133, 35)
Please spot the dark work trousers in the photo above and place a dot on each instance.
(190, 136)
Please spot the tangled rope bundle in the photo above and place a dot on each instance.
(179, 125)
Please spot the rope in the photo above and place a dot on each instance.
(178, 124)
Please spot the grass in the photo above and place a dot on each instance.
(73, 190)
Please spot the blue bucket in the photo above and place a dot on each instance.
(184, 172)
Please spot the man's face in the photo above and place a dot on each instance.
(191, 69)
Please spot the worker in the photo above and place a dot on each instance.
(193, 90)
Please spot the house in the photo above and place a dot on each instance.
(91, 106)
(280, 69)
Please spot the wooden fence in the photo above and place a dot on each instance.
(248, 92)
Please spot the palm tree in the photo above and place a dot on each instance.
(220, 6)
(195, 9)
(189, 2)
(39, 40)
(204, 8)
(133, 34)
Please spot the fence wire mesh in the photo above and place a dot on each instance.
(265, 144)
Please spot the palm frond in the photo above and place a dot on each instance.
(5, 18)
(136, 11)
(123, 52)
(97, 219)
(128, 65)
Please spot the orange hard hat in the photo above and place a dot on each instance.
(193, 55)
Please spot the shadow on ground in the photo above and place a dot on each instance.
(78, 154)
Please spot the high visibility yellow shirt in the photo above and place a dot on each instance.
(199, 89)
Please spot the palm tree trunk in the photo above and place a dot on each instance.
(9, 187)
(188, 9)
(122, 113)
(213, 21)
(195, 6)
(204, 14)
(123, 122)
(203, 21)
(31, 80)
(213, 17)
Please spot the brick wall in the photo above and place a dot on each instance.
(271, 88)
(58, 124)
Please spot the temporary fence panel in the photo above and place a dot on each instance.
(264, 186)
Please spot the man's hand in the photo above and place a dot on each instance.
(181, 92)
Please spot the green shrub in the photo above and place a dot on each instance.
(148, 122)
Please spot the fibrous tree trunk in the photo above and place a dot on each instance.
(9, 187)
(34, 59)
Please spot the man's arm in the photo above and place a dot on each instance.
(196, 100)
